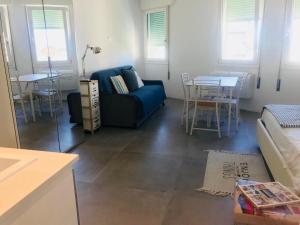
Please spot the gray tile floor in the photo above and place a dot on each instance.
(46, 132)
(148, 176)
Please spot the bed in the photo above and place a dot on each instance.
(281, 150)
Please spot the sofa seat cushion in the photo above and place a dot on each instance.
(150, 97)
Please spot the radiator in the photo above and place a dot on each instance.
(248, 87)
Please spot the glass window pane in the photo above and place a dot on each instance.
(239, 34)
(52, 35)
(294, 50)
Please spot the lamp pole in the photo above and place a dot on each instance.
(96, 50)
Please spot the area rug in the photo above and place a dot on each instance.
(223, 169)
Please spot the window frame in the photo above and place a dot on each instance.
(287, 64)
(146, 36)
(67, 26)
(259, 11)
(8, 36)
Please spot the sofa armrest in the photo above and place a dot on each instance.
(119, 110)
(153, 82)
(74, 105)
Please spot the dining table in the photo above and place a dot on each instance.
(228, 82)
(33, 79)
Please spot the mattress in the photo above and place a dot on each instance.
(287, 141)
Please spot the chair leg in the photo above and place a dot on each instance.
(194, 117)
(50, 106)
(24, 111)
(229, 119)
(187, 113)
(237, 115)
(209, 119)
(38, 106)
(183, 113)
(218, 120)
(197, 118)
(32, 108)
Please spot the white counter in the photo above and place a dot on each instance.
(37, 188)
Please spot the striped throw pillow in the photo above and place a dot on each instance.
(119, 85)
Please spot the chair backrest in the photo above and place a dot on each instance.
(207, 89)
(53, 80)
(185, 78)
(16, 85)
(239, 87)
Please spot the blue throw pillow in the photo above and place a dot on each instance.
(130, 79)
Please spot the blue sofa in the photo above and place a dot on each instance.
(129, 110)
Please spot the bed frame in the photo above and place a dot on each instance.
(273, 157)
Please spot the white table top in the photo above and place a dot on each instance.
(226, 81)
(33, 77)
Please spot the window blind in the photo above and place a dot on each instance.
(54, 19)
(157, 28)
(296, 9)
(237, 10)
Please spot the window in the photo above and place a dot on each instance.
(156, 35)
(294, 33)
(50, 37)
(240, 30)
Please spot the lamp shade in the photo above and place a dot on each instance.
(96, 50)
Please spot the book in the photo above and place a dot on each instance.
(268, 195)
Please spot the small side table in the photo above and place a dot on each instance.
(89, 91)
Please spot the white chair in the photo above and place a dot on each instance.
(185, 79)
(20, 96)
(207, 97)
(50, 92)
(235, 100)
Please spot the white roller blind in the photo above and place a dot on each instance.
(157, 28)
(238, 10)
(54, 19)
(157, 34)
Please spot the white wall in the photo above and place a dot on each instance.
(115, 26)
(194, 48)
(152, 4)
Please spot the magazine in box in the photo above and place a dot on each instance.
(268, 195)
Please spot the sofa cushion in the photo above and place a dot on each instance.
(103, 76)
(130, 79)
(139, 80)
(119, 84)
(150, 97)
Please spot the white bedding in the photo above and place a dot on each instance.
(287, 141)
